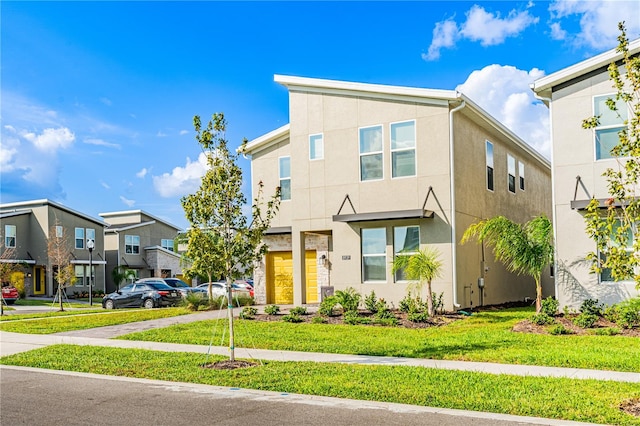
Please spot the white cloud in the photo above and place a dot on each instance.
(50, 140)
(100, 142)
(598, 21)
(127, 202)
(142, 173)
(181, 180)
(183, 132)
(503, 91)
(480, 25)
(106, 101)
(490, 29)
(104, 184)
(161, 134)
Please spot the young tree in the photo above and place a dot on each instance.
(225, 243)
(524, 249)
(616, 231)
(121, 273)
(59, 253)
(422, 267)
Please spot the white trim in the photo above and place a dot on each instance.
(280, 178)
(45, 202)
(515, 182)
(27, 261)
(116, 229)
(278, 135)
(309, 146)
(415, 150)
(486, 166)
(360, 154)
(140, 212)
(86, 262)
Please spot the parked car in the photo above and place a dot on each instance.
(219, 288)
(148, 294)
(10, 294)
(176, 283)
(246, 285)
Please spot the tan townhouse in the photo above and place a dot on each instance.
(579, 158)
(369, 172)
(28, 227)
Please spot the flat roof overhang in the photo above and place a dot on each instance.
(603, 203)
(278, 230)
(388, 215)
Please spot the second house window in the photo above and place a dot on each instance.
(403, 149)
(374, 254)
(132, 244)
(371, 153)
(285, 178)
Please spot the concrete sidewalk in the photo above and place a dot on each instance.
(11, 343)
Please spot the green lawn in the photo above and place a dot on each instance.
(70, 304)
(578, 400)
(485, 336)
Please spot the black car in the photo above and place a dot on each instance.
(176, 283)
(148, 294)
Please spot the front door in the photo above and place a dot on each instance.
(38, 282)
(311, 268)
(280, 277)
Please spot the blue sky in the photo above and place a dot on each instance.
(97, 98)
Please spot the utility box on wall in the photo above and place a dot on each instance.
(325, 291)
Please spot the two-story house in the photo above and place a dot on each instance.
(29, 226)
(142, 243)
(369, 172)
(579, 158)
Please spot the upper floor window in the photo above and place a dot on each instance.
(406, 242)
(167, 244)
(610, 123)
(605, 273)
(91, 235)
(371, 153)
(511, 173)
(132, 244)
(316, 147)
(79, 238)
(489, 162)
(374, 257)
(403, 149)
(10, 236)
(521, 174)
(285, 178)
(59, 231)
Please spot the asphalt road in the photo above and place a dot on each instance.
(45, 397)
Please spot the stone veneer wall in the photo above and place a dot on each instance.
(317, 242)
(159, 260)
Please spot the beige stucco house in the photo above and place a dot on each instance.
(579, 158)
(26, 229)
(141, 242)
(369, 172)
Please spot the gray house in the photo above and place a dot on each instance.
(369, 172)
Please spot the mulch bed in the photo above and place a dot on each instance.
(229, 365)
(527, 326)
(632, 407)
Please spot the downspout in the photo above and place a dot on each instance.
(553, 195)
(452, 194)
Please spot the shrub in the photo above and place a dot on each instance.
(352, 318)
(319, 320)
(193, 301)
(541, 319)
(272, 309)
(550, 306)
(438, 303)
(387, 322)
(248, 312)
(370, 302)
(585, 320)
(407, 304)
(327, 306)
(382, 310)
(629, 313)
(591, 306)
(349, 299)
(298, 310)
(611, 313)
(559, 329)
(419, 317)
(607, 331)
(294, 318)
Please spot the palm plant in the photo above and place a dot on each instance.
(524, 249)
(421, 267)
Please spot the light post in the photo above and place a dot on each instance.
(90, 246)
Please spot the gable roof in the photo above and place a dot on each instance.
(444, 98)
(23, 206)
(133, 224)
(596, 64)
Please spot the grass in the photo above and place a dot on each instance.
(40, 302)
(56, 322)
(578, 400)
(48, 314)
(485, 337)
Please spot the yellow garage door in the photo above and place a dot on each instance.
(280, 277)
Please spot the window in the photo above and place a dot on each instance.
(167, 244)
(91, 235)
(374, 257)
(610, 123)
(79, 238)
(285, 178)
(511, 171)
(606, 274)
(406, 242)
(371, 153)
(403, 149)
(521, 174)
(489, 157)
(59, 231)
(9, 236)
(80, 275)
(316, 147)
(132, 244)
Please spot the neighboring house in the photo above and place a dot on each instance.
(369, 172)
(142, 243)
(579, 158)
(27, 227)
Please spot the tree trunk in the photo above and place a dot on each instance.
(232, 353)
(429, 299)
(538, 296)
(60, 297)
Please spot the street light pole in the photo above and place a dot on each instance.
(90, 246)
